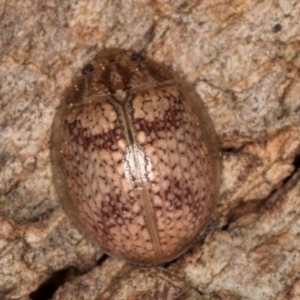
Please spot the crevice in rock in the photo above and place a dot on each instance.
(262, 205)
(225, 227)
(102, 259)
(51, 285)
(297, 162)
(242, 209)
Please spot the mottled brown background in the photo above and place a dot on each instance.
(243, 57)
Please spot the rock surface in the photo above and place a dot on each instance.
(243, 57)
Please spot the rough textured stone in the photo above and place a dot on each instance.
(257, 257)
(119, 281)
(243, 59)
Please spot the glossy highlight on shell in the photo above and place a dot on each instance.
(135, 158)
